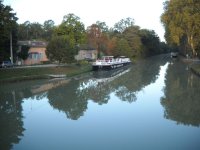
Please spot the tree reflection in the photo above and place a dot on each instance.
(11, 118)
(142, 74)
(126, 95)
(65, 99)
(72, 98)
(181, 100)
(11, 125)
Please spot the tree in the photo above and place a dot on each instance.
(93, 36)
(60, 49)
(23, 54)
(123, 24)
(131, 34)
(112, 43)
(48, 28)
(102, 26)
(72, 27)
(122, 48)
(24, 31)
(8, 26)
(30, 31)
(150, 42)
(182, 19)
(36, 31)
(67, 38)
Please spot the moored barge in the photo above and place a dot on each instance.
(109, 62)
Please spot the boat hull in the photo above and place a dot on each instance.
(110, 66)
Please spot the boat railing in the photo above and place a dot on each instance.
(107, 60)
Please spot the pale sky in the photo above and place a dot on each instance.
(146, 13)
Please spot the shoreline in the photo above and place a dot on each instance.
(24, 74)
(12, 75)
(194, 64)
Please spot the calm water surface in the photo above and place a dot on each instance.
(154, 104)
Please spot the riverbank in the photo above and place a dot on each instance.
(195, 68)
(32, 73)
(194, 64)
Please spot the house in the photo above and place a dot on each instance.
(36, 53)
(86, 55)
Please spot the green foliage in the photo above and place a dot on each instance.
(123, 24)
(182, 19)
(82, 62)
(150, 42)
(72, 28)
(35, 31)
(66, 39)
(48, 28)
(23, 54)
(181, 96)
(102, 26)
(60, 49)
(122, 48)
(132, 35)
(8, 26)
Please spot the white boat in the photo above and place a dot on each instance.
(174, 54)
(109, 62)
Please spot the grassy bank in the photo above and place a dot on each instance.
(19, 74)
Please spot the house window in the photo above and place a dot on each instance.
(40, 56)
(34, 56)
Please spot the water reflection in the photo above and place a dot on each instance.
(72, 96)
(11, 118)
(182, 95)
(11, 124)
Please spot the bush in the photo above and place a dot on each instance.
(82, 62)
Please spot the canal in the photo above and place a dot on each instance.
(154, 104)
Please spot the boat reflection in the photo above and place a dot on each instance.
(72, 98)
(103, 77)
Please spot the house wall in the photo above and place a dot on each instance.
(86, 54)
(37, 55)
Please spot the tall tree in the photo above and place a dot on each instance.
(36, 31)
(30, 31)
(123, 24)
(23, 31)
(182, 19)
(66, 39)
(112, 43)
(150, 42)
(23, 54)
(72, 28)
(102, 26)
(122, 48)
(60, 49)
(8, 26)
(93, 36)
(48, 28)
(132, 35)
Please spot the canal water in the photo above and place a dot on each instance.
(154, 104)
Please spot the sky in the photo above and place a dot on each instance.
(146, 13)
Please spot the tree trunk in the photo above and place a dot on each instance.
(191, 43)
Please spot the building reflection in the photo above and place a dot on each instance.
(182, 93)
